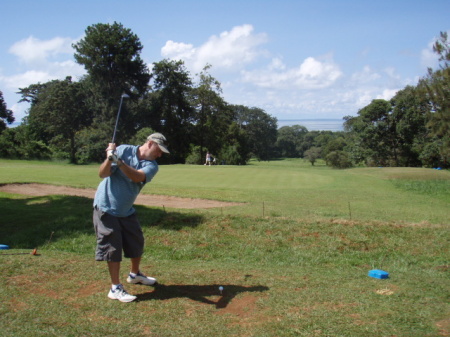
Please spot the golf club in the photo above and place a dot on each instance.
(117, 119)
(118, 114)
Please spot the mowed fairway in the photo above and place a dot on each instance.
(284, 188)
(296, 189)
(292, 259)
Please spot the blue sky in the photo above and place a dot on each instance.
(295, 59)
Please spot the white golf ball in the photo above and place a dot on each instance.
(220, 288)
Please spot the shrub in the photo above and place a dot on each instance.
(141, 136)
(194, 156)
(338, 159)
(230, 156)
(312, 154)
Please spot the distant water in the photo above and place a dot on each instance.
(314, 124)
(310, 124)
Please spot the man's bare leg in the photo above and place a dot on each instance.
(114, 270)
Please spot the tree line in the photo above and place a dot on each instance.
(74, 120)
(412, 128)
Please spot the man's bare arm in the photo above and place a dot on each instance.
(137, 176)
(105, 169)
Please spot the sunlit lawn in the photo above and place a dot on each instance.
(293, 260)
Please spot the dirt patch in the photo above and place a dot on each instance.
(444, 327)
(244, 306)
(142, 199)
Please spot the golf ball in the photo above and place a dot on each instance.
(220, 288)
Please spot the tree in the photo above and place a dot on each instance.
(235, 148)
(171, 109)
(230, 155)
(309, 140)
(312, 154)
(57, 113)
(261, 130)
(30, 94)
(290, 140)
(337, 143)
(213, 116)
(375, 134)
(328, 141)
(437, 86)
(338, 159)
(16, 143)
(111, 56)
(408, 117)
(431, 155)
(6, 115)
(141, 136)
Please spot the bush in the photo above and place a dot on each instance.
(91, 145)
(16, 144)
(312, 154)
(431, 156)
(230, 156)
(339, 159)
(141, 136)
(194, 156)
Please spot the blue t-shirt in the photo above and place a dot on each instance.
(116, 194)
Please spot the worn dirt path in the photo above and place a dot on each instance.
(142, 199)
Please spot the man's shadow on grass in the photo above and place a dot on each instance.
(199, 293)
(31, 222)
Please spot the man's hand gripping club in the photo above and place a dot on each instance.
(111, 153)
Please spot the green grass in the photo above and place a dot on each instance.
(438, 188)
(284, 188)
(293, 260)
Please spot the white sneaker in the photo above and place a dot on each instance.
(141, 278)
(121, 294)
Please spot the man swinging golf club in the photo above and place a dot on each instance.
(125, 171)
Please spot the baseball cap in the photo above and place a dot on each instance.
(159, 139)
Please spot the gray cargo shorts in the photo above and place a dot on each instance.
(115, 234)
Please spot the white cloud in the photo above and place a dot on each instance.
(51, 71)
(32, 50)
(390, 71)
(365, 76)
(66, 68)
(311, 74)
(428, 57)
(19, 111)
(387, 94)
(40, 61)
(26, 78)
(230, 50)
(314, 88)
(277, 64)
(178, 50)
(361, 97)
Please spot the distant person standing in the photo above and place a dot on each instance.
(208, 159)
(125, 171)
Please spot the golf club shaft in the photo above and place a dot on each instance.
(117, 120)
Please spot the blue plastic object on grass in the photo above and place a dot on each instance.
(377, 273)
(4, 247)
